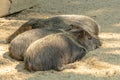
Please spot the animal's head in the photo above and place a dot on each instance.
(87, 36)
(86, 40)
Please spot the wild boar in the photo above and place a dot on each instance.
(56, 50)
(20, 43)
(60, 22)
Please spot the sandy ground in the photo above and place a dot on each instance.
(100, 64)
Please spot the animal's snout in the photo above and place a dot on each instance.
(99, 43)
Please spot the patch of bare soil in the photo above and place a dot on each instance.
(100, 64)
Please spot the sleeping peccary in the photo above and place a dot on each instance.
(20, 43)
(59, 22)
(56, 50)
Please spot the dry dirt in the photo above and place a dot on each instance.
(100, 64)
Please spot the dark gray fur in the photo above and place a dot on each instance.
(60, 22)
(53, 52)
(20, 43)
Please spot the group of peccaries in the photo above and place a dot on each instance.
(52, 43)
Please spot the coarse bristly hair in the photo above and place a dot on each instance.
(60, 22)
(19, 44)
(54, 51)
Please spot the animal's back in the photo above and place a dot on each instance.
(48, 52)
(19, 45)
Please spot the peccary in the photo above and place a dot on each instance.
(20, 43)
(60, 22)
(56, 50)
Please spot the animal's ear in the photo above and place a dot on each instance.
(78, 33)
(74, 26)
